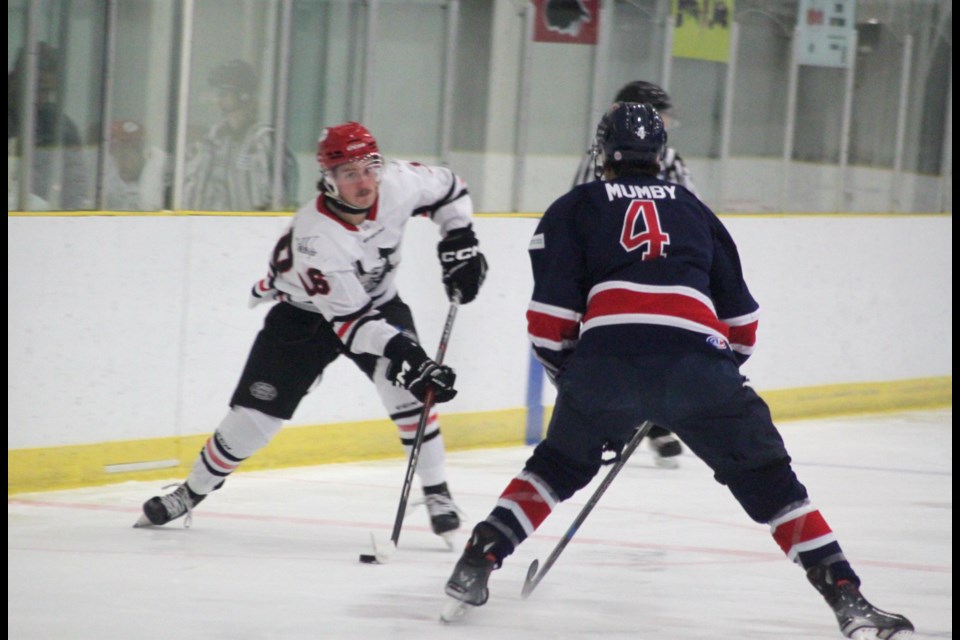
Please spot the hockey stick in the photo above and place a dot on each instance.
(381, 555)
(533, 577)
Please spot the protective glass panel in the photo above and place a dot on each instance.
(69, 52)
(406, 93)
(697, 88)
(635, 48)
(230, 125)
(138, 167)
(761, 86)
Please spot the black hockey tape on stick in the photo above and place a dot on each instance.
(533, 576)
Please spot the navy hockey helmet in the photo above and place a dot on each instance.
(642, 91)
(631, 132)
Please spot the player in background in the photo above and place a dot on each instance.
(665, 446)
(640, 311)
(333, 277)
(231, 168)
(137, 175)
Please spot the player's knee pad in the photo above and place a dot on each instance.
(765, 491)
(244, 431)
(563, 474)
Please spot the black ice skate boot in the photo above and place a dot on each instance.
(666, 448)
(468, 583)
(444, 514)
(857, 618)
(160, 510)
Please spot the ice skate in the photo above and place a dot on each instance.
(160, 510)
(666, 448)
(858, 619)
(444, 513)
(468, 583)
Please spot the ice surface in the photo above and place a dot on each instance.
(666, 553)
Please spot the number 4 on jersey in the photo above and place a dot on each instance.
(649, 232)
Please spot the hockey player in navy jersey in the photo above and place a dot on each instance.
(640, 312)
(332, 277)
(665, 446)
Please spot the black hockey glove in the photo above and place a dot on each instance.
(464, 267)
(412, 369)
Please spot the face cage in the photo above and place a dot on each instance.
(597, 161)
(330, 185)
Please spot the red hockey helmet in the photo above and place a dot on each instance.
(347, 142)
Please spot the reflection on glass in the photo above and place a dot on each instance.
(231, 167)
(137, 175)
(59, 177)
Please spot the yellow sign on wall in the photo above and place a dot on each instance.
(701, 29)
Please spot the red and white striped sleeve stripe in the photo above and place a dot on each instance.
(552, 327)
(743, 332)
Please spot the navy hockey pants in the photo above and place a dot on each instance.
(701, 397)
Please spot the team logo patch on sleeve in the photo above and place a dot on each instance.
(537, 242)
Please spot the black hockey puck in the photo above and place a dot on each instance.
(366, 558)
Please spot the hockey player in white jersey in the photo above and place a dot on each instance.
(333, 278)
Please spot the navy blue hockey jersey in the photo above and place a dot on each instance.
(634, 266)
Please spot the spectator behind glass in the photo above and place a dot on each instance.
(59, 176)
(137, 176)
(231, 168)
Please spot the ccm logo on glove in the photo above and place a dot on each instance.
(462, 254)
(464, 267)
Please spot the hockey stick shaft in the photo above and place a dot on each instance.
(422, 425)
(533, 576)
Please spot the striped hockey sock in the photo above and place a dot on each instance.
(522, 507)
(806, 539)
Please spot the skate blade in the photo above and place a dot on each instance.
(454, 611)
(667, 463)
(142, 522)
(448, 540)
(872, 633)
(903, 634)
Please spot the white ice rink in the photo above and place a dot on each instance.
(666, 554)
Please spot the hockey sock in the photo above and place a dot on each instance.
(521, 508)
(807, 539)
(430, 464)
(242, 433)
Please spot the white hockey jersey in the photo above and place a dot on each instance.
(346, 272)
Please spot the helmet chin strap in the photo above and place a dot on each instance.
(339, 206)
